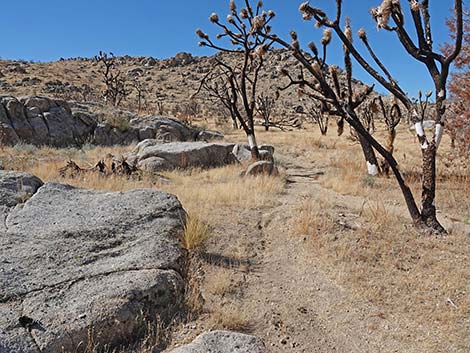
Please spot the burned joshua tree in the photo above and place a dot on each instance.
(264, 108)
(244, 38)
(324, 86)
(141, 92)
(392, 117)
(115, 82)
(438, 65)
(216, 88)
(318, 114)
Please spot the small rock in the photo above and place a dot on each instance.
(262, 167)
(223, 342)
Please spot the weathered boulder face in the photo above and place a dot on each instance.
(17, 187)
(152, 156)
(44, 121)
(74, 259)
(223, 342)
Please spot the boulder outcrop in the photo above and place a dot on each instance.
(75, 262)
(53, 122)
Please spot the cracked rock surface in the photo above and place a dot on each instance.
(71, 259)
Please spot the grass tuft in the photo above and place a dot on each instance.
(195, 233)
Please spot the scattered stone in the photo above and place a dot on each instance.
(223, 342)
(149, 62)
(154, 164)
(210, 135)
(180, 59)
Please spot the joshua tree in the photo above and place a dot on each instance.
(264, 108)
(115, 83)
(423, 51)
(216, 87)
(318, 113)
(192, 108)
(141, 90)
(324, 86)
(392, 117)
(421, 106)
(366, 114)
(160, 107)
(246, 32)
(344, 93)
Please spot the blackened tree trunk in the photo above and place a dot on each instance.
(369, 154)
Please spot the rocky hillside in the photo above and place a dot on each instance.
(166, 85)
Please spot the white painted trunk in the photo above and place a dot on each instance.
(252, 141)
(372, 169)
(438, 133)
(420, 132)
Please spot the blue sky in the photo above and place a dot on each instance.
(47, 30)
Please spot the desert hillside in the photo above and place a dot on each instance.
(168, 86)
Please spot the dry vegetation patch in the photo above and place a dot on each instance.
(420, 282)
(201, 192)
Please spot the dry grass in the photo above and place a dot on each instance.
(312, 219)
(220, 282)
(156, 336)
(198, 190)
(345, 170)
(196, 232)
(420, 282)
(230, 317)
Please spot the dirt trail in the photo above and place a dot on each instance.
(297, 307)
(290, 301)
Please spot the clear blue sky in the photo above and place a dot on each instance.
(46, 30)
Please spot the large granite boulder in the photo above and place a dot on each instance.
(44, 121)
(223, 342)
(152, 156)
(75, 262)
